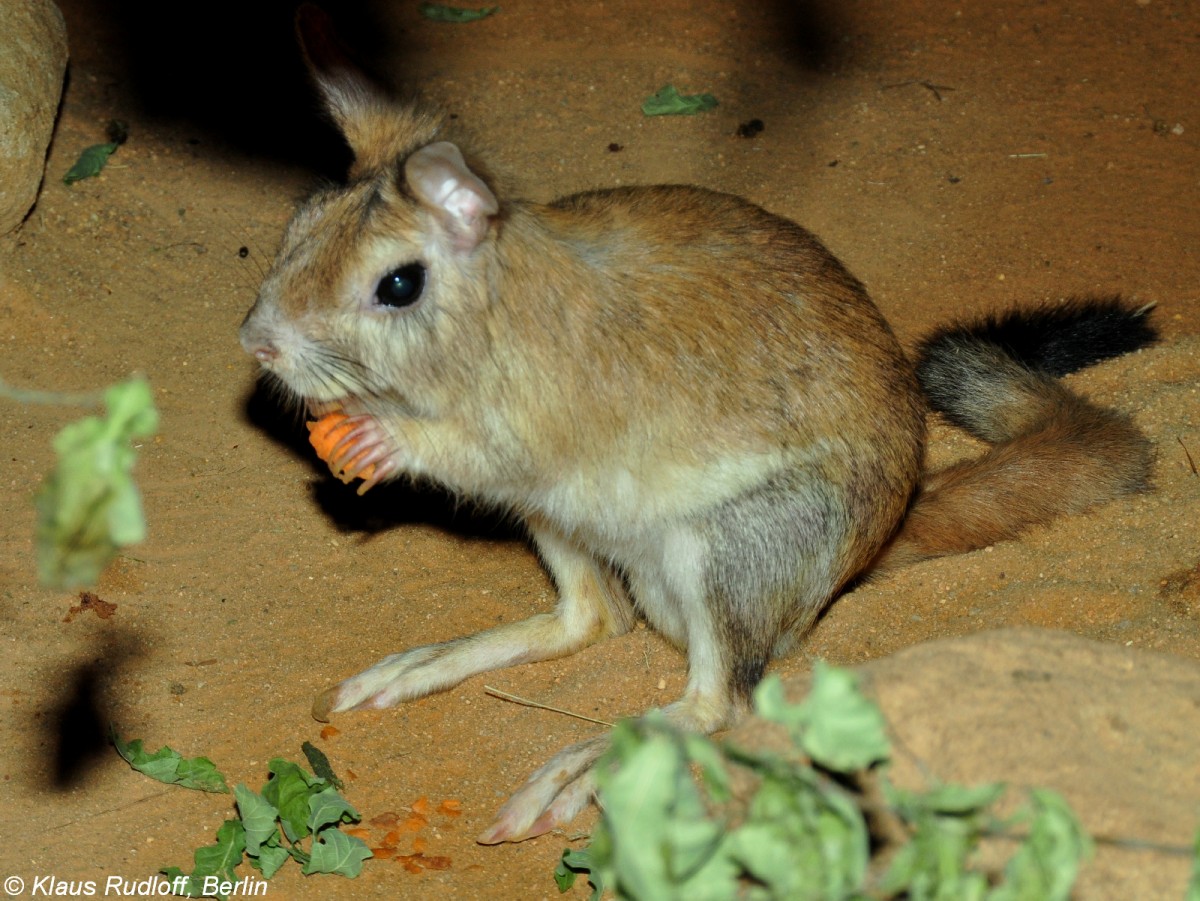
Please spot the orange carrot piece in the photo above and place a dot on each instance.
(324, 434)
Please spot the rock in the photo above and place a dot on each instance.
(33, 59)
(1113, 729)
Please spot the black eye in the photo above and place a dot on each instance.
(401, 287)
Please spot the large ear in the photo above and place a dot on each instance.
(344, 87)
(463, 204)
(377, 128)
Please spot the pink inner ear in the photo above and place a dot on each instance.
(462, 203)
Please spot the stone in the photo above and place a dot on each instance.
(1112, 728)
(33, 61)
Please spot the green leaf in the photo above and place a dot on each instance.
(288, 790)
(200, 773)
(933, 865)
(1193, 889)
(219, 859)
(802, 841)
(271, 856)
(667, 101)
(835, 725)
(327, 807)
(88, 507)
(259, 818)
(947, 799)
(91, 161)
(320, 764)
(962, 799)
(570, 865)
(1045, 866)
(166, 765)
(190, 886)
(711, 763)
(215, 861)
(658, 834)
(336, 852)
(440, 12)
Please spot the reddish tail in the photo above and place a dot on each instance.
(1052, 451)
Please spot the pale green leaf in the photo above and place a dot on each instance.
(288, 791)
(1045, 866)
(667, 101)
(326, 807)
(90, 162)
(259, 818)
(88, 507)
(336, 852)
(836, 725)
(166, 765)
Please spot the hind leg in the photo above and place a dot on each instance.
(727, 589)
(557, 792)
(592, 605)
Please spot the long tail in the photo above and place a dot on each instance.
(1052, 451)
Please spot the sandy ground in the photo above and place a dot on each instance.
(958, 157)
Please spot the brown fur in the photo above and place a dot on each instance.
(696, 409)
(1077, 457)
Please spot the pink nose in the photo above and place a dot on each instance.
(258, 346)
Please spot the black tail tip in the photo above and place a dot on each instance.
(1059, 338)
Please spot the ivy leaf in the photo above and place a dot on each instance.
(667, 101)
(1046, 864)
(166, 765)
(288, 791)
(328, 807)
(835, 725)
(259, 818)
(215, 861)
(336, 852)
(570, 865)
(659, 836)
(91, 161)
(88, 507)
(320, 764)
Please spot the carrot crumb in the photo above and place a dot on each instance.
(391, 839)
(411, 862)
(413, 824)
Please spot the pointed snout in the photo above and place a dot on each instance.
(256, 342)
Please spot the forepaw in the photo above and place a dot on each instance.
(552, 797)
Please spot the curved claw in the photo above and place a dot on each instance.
(380, 473)
(324, 704)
